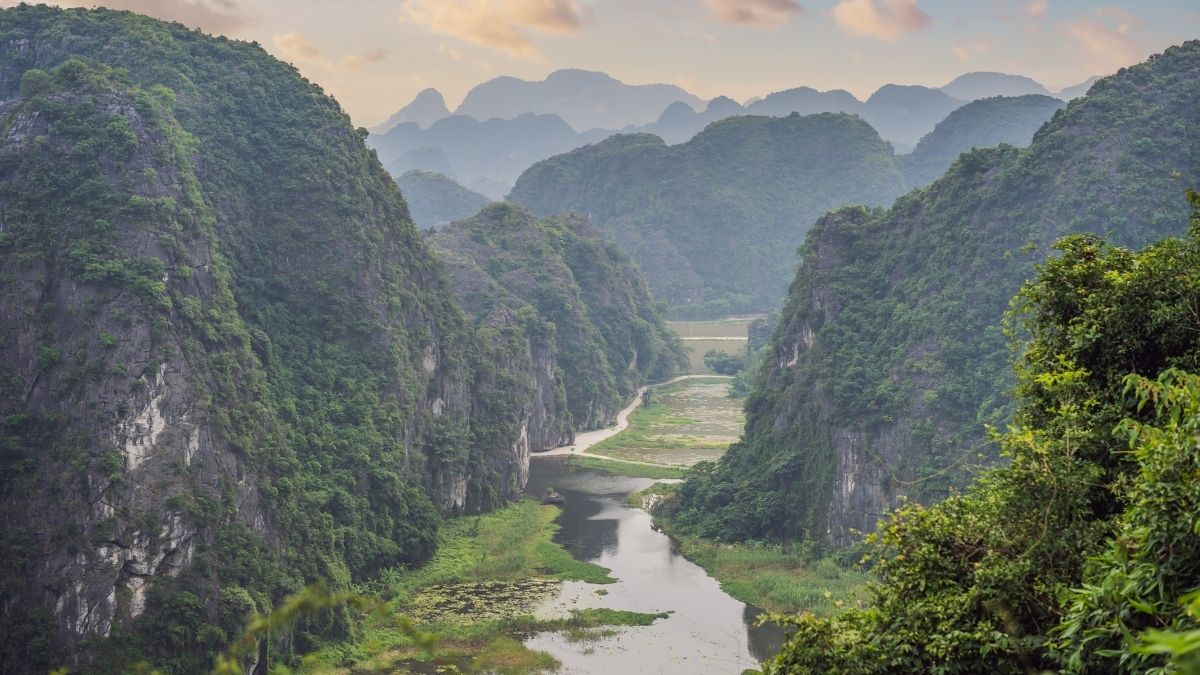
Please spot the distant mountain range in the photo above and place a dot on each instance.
(506, 124)
(485, 156)
(584, 99)
(974, 86)
(428, 107)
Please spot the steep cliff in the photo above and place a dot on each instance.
(582, 303)
(714, 222)
(889, 357)
(229, 364)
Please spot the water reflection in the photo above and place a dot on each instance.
(708, 632)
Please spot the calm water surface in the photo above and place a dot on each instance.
(708, 632)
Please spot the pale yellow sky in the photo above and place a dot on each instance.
(375, 55)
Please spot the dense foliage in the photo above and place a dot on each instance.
(713, 222)
(889, 358)
(434, 199)
(225, 348)
(1100, 494)
(979, 124)
(724, 363)
(609, 335)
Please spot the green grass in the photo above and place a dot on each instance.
(626, 468)
(509, 544)
(508, 561)
(774, 578)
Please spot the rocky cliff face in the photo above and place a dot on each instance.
(229, 365)
(592, 333)
(890, 357)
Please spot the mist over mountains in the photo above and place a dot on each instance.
(506, 124)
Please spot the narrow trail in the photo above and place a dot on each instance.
(587, 439)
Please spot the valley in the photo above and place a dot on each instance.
(561, 370)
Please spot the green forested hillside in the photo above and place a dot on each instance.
(229, 364)
(434, 199)
(889, 358)
(1080, 556)
(713, 223)
(980, 124)
(609, 337)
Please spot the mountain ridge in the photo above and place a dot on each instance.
(889, 359)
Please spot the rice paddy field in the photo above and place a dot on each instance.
(726, 335)
(683, 423)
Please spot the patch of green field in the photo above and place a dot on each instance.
(630, 469)
(683, 423)
(476, 595)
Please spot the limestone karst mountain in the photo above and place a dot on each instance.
(889, 358)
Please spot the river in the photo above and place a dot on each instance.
(708, 631)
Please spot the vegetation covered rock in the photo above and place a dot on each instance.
(889, 358)
(714, 222)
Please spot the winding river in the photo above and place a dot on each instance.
(707, 632)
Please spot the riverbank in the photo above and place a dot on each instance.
(690, 419)
(775, 577)
(478, 595)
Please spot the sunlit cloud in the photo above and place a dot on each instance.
(297, 48)
(965, 51)
(356, 62)
(886, 20)
(1106, 39)
(756, 13)
(214, 16)
(450, 52)
(501, 25)
(1036, 8)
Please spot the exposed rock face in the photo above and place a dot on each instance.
(592, 332)
(229, 364)
(94, 373)
(889, 358)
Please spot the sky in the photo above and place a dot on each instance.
(374, 56)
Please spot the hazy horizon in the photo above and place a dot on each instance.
(375, 57)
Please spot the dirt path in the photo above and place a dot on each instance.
(587, 439)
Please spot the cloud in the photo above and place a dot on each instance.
(963, 51)
(356, 62)
(502, 25)
(1106, 39)
(451, 52)
(296, 47)
(756, 13)
(1036, 8)
(885, 20)
(214, 16)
